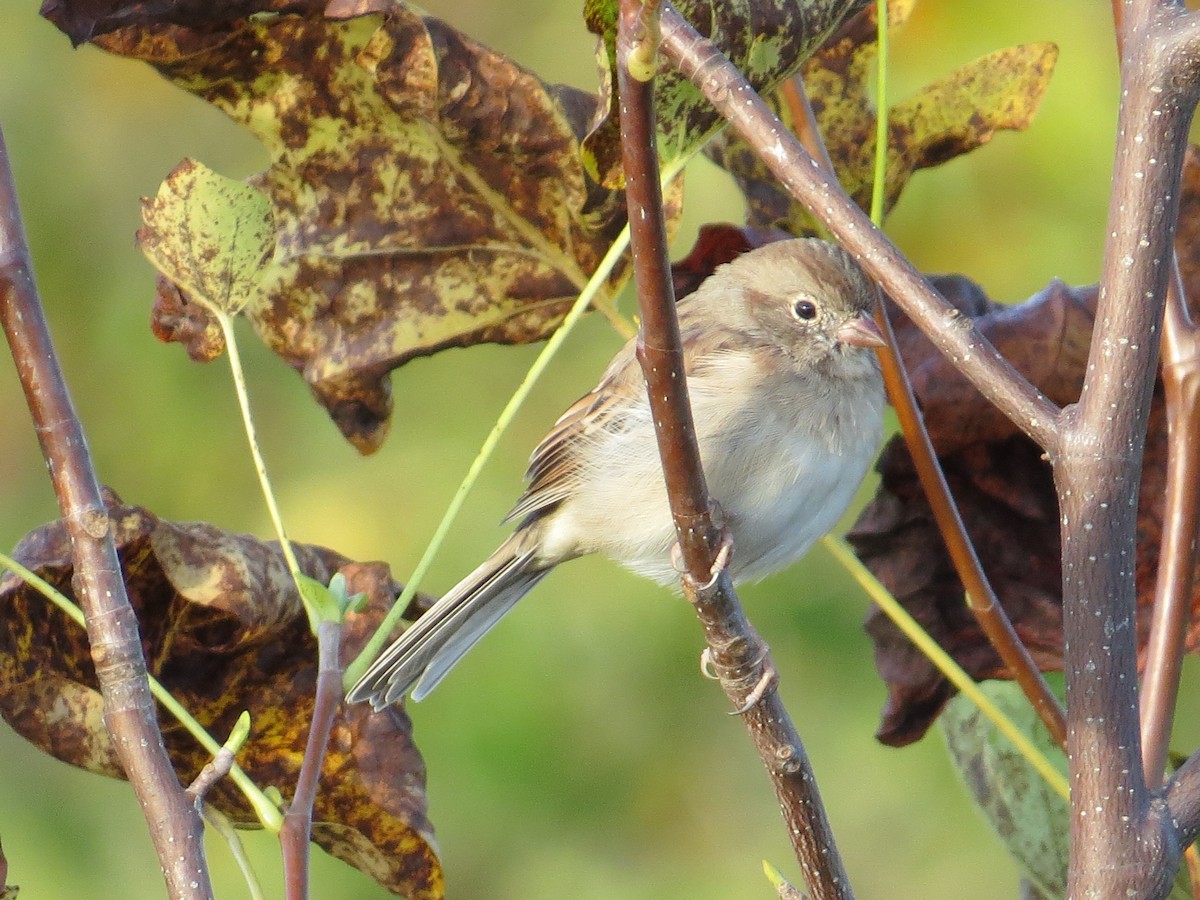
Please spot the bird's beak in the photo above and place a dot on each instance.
(861, 331)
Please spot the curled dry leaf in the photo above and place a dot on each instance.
(83, 20)
(1005, 493)
(223, 630)
(427, 192)
(766, 39)
(945, 119)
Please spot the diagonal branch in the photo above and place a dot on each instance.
(175, 825)
(737, 654)
(982, 600)
(952, 333)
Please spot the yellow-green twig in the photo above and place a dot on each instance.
(947, 666)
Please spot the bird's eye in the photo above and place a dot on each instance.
(805, 310)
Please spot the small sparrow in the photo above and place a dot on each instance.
(788, 404)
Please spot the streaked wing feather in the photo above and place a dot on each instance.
(555, 463)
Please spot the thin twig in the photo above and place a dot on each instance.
(175, 826)
(982, 600)
(738, 655)
(297, 821)
(1177, 555)
(214, 770)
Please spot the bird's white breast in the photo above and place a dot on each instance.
(783, 466)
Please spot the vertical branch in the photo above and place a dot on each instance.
(297, 822)
(1121, 844)
(737, 654)
(1177, 556)
(659, 347)
(175, 825)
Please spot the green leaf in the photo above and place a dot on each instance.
(1031, 819)
(209, 234)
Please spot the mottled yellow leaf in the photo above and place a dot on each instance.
(766, 39)
(209, 234)
(948, 118)
(427, 192)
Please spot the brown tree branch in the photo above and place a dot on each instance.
(1123, 843)
(952, 333)
(1177, 556)
(737, 654)
(982, 600)
(296, 834)
(129, 715)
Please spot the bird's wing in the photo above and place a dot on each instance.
(557, 462)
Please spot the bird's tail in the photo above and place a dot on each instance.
(442, 636)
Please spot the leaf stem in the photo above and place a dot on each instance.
(260, 465)
(879, 187)
(946, 665)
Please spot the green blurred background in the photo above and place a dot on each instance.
(577, 752)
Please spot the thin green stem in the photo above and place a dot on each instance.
(946, 665)
(260, 465)
(220, 823)
(268, 813)
(592, 289)
(879, 188)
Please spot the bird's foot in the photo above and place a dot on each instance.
(767, 682)
(720, 562)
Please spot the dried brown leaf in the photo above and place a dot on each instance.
(1004, 491)
(83, 20)
(427, 191)
(223, 629)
